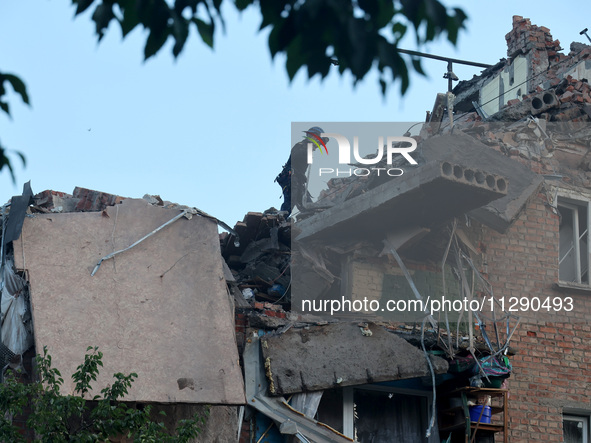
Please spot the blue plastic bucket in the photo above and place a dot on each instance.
(475, 413)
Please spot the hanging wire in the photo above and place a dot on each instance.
(434, 406)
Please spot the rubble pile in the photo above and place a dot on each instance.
(81, 200)
(548, 128)
(550, 149)
(259, 256)
(564, 99)
(88, 200)
(342, 188)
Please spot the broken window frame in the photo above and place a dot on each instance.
(575, 207)
(349, 404)
(578, 418)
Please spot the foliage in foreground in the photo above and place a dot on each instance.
(356, 35)
(57, 418)
(360, 34)
(19, 87)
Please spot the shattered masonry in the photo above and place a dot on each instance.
(515, 161)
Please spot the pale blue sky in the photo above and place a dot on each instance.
(211, 129)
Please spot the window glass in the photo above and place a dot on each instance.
(573, 242)
(384, 417)
(575, 429)
(330, 409)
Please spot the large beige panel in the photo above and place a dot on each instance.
(160, 309)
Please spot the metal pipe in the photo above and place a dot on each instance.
(445, 59)
(113, 254)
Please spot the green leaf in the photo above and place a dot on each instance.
(241, 5)
(155, 41)
(4, 106)
(102, 17)
(398, 29)
(130, 16)
(180, 32)
(5, 162)
(22, 157)
(353, 38)
(271, 11)
(274, 47)
(82, 5)
(179, 6)
(295, 60)
(404, 80)
(385, 13)
(416, 63)
(217, 4)
(454, 24)
(205, 30)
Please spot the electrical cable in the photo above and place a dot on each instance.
(433, 404)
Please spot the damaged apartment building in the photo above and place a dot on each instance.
(494, 218)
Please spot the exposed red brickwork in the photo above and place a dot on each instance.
(525, 37)
(245, 432)
(270, 309)
(552, 370)
(46, 198)
(82, 200)
(94, 200)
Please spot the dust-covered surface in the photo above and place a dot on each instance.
(340, 354)
(160, 309)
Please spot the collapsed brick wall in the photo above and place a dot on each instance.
(81, 200)
(547, 69)
(552, 369)
(526, 38)
(547, 65)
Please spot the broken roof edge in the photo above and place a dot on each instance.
(546, 65)
(88, 200)
(275, 408)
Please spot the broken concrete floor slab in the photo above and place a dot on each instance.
(414, 199)
(160, 309)
(338, 355)
(523, 183)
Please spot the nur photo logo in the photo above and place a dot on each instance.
(394, 146)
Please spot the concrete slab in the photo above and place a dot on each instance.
(424, 196)
(160, 309)
(523, 183)
(337, 355)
